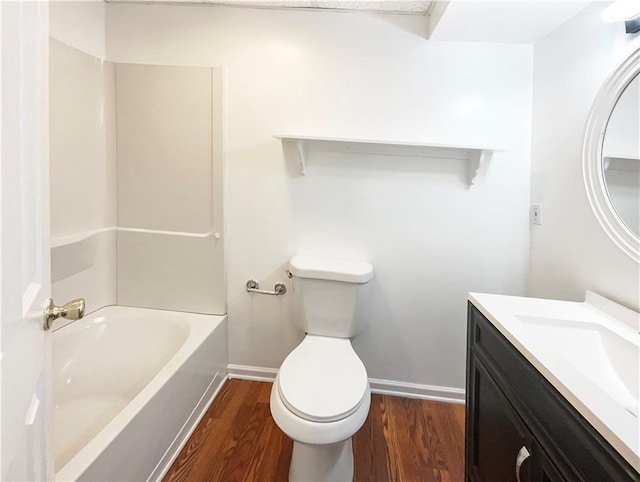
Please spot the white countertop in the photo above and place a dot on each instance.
(574, 345)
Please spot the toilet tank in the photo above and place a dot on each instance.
(325, 292)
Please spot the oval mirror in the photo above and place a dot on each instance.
(612, 156)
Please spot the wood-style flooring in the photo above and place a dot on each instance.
(402, 440)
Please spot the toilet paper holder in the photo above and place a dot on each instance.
(254, 287)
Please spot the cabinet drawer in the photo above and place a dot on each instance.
(573, 446)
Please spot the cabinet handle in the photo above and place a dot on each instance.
(523, 454)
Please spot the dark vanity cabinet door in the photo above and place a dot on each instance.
(542, 468)
(512, 409)
(498, 435)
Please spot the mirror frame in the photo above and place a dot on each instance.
(593, 172)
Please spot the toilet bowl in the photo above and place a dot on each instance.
(320, 399)
(321, 395)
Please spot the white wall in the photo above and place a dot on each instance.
(366, 76)
(570, 252)
(80, 24)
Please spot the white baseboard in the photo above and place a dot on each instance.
(256, 374)
(188, 428)
(386, 387)
(415, 390)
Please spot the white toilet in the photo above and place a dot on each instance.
(321, 396)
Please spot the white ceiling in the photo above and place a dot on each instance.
(515, 21)
(504, 21)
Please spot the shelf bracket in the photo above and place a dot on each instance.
(295, 151)
(478, 161)
(300, 147)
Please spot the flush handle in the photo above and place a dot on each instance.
(73, 310)
(523, 454)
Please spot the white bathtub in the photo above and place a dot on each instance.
(129, 385)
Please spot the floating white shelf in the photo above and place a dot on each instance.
(476, 156)
(621, 163)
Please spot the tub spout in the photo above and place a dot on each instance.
(73, 310)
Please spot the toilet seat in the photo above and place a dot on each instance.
(323, 380)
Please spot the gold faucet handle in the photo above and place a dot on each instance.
(73, 310)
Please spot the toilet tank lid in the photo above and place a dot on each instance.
(331, 269)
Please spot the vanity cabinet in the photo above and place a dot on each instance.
(519, 428)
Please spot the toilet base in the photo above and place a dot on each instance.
(322, 463)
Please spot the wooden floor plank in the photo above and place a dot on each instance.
(402, 440)
(409, 439)
(373, 453)
(451, 425)
(270, 442)
(437, 441)
(386, 426)
(238, 437)
(206, 441)
(249, 426)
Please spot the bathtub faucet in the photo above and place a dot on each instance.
(73, 310)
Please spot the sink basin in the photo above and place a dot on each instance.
(608, 358)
